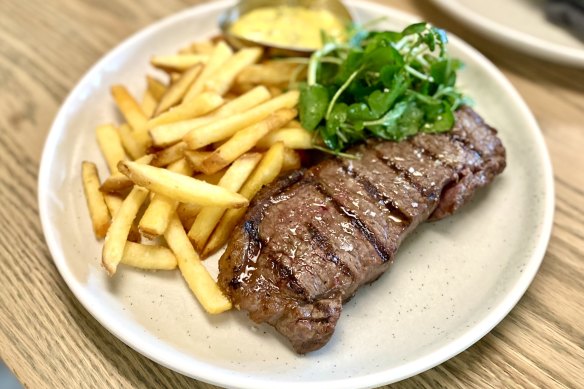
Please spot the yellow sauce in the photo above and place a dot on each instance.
(287, 26)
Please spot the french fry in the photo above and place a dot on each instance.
(202, 47)
(294, 138)
(133, 114)
(275, 91)
(155, 219)
(245, 140)
(212, 179)
(181, 188)
(98, 211)
(169, 155)
(196, 158)
(134, 149)
(268, 73)
(168, 134)
(117, 234)
(267, 170)
(220, 54)
(226, 127)
(129, 107)
(232, 180)
(200, 105)
(241, 88)
(221, 80)
(118, 182)
(175, 93)
(149, 104)
(110, 145)
(294, 124)
(148, 257)
(197, 277)
(179, 62)
(187, 214)
(291, 160)
(174, 77)
(114, 203)
(155, 87)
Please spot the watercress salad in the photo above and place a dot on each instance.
(387, 84)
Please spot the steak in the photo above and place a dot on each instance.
(309, 240)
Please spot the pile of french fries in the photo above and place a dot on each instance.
(189, 158)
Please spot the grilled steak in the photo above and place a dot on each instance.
(310, 239)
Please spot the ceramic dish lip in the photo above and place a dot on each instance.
(225, 377)
(525, 42)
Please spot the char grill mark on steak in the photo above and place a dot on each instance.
(308, 241)
(354, 217)
(323, 241)
(375, 194)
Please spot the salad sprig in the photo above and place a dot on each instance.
(387, 84)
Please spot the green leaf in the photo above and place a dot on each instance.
(353, 62)
(416, 28)
(360, 112)
(382, 56)
(386, 84)
(313, 104)
(442, 122)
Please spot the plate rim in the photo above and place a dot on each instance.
(209, 373)
(508, 36)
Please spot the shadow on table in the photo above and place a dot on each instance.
(7, 379)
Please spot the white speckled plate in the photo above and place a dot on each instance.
(520, 24)
(453, 281)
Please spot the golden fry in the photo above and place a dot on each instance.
(169, 134)
(187, 214)
(155, 219)
(179, 62)
(129, 107)
(202, 47)
(220, 54)
(294, 138)
(269, 73)
(110, 145)
(114, 203)
(148, 257)
(267, 171)
(226, 127)
(291, 160)
(175, 93)
(245, 140)
(117, 234)
(181, 188)
(133, 114)
(134, 149)
(211, 178)
(155, 87)
(98, 211)
(118, 182)
(193, 271)
(222, 79)
(232, 180)
(189, 109)
(169, 155)
(149, 104)
(196, 158)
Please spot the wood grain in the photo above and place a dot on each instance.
(49, 340)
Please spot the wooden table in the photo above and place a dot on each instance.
(49, 340)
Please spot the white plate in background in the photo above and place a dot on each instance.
(520, 24)
(452, 282)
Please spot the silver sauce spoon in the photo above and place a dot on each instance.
(229, 17)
